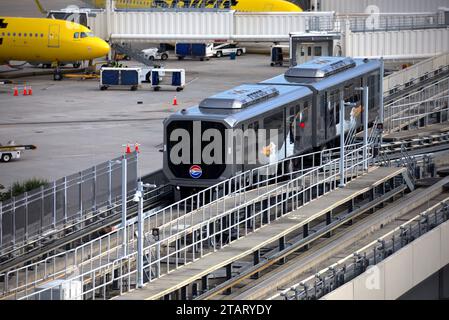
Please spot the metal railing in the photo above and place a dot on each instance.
(378, 22)
(63, 264)
(427, 103)
(348, 268)
(418, 72)
(66, 203)
(395, 22)
(100, 250)
(212, 233)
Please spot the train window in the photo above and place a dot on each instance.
(305, 112)
(274, 122)
(331, 113)
(76, 35)
(337, 113)
(317, 51)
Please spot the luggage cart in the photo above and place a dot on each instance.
(177, 79)
(13, 151)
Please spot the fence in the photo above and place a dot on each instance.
(110, 246)
(66, 202)
(377, 22)
(427, 105)
(348, 268)
(211, 233)
(419, 71)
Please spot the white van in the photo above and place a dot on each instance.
(154, 54)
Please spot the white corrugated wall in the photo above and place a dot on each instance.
(98, 25)
(358, 6)
(204, 23)
(269, 24)
(397, 44)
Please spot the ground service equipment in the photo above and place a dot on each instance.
(12, 151)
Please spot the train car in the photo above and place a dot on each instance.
(326, 77)
(291, 114)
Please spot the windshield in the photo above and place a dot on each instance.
(86, 34)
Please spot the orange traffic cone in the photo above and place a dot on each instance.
(25, 92)
(128, 149)
(175, 102)
(136, 147)
(16, 92)
(30, 91)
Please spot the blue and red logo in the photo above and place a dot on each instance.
(195, 171)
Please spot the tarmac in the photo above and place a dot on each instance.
(75, 125)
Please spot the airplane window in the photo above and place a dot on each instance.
(14, 34)
(24, 34)
(42, 35)
(20, 34)
(83, 35)
(9, 34)
(76, 35)
(90, 34)
(36, 35)
(31, 34)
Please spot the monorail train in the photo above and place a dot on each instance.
(302, 106)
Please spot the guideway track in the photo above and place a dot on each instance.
(108, 218)
(283, 275)
(242, 247)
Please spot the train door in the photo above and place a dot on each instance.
(53, 36)
(274, 149)
(292, 138)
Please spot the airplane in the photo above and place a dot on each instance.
(41, 39)
(238, 5)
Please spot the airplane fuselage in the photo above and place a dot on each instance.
(40, 39)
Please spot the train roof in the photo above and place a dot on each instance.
(243, 102)
(325, 72)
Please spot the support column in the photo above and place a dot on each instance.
(204, 284)
(305, 234)
(328, 222)
(228, 277)
(281, 247)
(256, 256)
(194, 290)
(124, 196)
(365, 126)
(183, 293)
(342, 140)
(350, 209)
